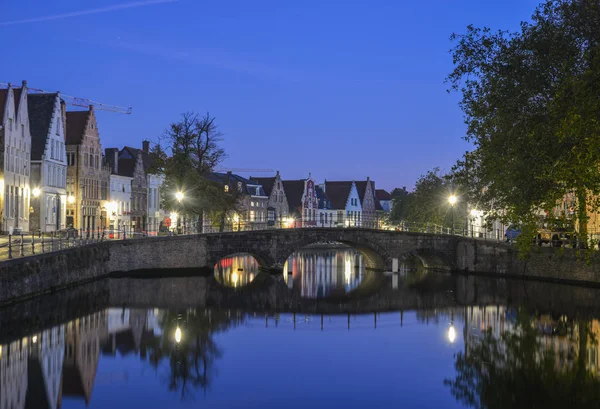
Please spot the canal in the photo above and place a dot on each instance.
(182, 342)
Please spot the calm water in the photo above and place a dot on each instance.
(457, 342)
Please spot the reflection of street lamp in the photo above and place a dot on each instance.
(452, 200)
(451, 334)
(234, 278)
(178, 335)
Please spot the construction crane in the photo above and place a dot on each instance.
(81, 102)
(244, 170)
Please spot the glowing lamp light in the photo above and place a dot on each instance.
(34, 339)
(174, 215)
(452, 200)
(179, 196)
(178, 335)
(234, 278)
(451, 334)
(36, 192)
(71, 199)
(474, 212)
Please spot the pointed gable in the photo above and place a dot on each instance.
(338, 193)
(41, 110)
(17, 99)
(76, 126)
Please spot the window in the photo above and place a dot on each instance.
(58, 126)
(252, 215)
(22, 131)
(322, 218)
(281, 198)
(91, 162)
(251, 204)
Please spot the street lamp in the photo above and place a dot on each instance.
(452, 200)
(179, 196)
(71, 199)
(36, 192)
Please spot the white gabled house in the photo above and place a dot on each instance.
(15, 167)
(345, 200)
(48, 162)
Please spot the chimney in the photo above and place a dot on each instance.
(146, 146)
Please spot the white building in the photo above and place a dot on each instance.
(13, 374)
(45, 367)
(48, 162)
(15, 166)
(156, 214)
(345, 200)
(119, 197)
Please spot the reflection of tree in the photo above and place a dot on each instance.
(191, 361)
(518, 370)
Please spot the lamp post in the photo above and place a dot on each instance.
(452, 200)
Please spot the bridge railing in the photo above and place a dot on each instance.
(27, 244)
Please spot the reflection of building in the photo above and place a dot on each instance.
(127, 329)
(321, 273)
(13, 374)
(45, 368)
(82, 351)
(237, 270)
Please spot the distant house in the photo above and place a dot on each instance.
(326, 213)
(252, 202)
(48, 162)
(369, 203)
(345, 199)
(385, 200)
(278, 208)
(119, 206)
(15, 158)
(302, 200)
(131, 164)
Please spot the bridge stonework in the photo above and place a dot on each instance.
(28, 276)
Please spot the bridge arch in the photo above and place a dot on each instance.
(375, 256)
(431, 259)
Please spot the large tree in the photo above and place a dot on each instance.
(531, 101)
(189, 151)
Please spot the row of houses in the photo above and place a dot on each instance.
(272, 201)
(55, 174)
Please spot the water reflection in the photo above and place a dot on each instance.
(324, 271)
(237, 270)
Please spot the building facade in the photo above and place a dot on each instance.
(87, 177)
(345, 199)
(15, 139)
(302, 201)
(385, 200)
(369, 203)
(278, 207)
(48, 163)
(156, 214)
(131, 164)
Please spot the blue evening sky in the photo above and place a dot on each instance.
(342, 89)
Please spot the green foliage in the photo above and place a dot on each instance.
(428, 203)
(531, 108)
(517, 370)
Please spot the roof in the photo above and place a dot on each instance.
(17, 99)
(324, 202)
(76, 123)
(266, 183)
(126, 167)
(231, 179)
(382, 194)
(3, 98)
(109, 157)
(338, 193)
(41, 109)
(146, 158)
(294, 189)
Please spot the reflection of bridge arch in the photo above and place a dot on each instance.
(430, 259)
(375, 256)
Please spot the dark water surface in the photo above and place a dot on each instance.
(182, 343)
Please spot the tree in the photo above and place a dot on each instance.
(428, 203)
(191, 152)
(531, 106)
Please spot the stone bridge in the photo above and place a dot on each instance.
(382, 249)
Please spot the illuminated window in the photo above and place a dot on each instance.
(226, 188)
